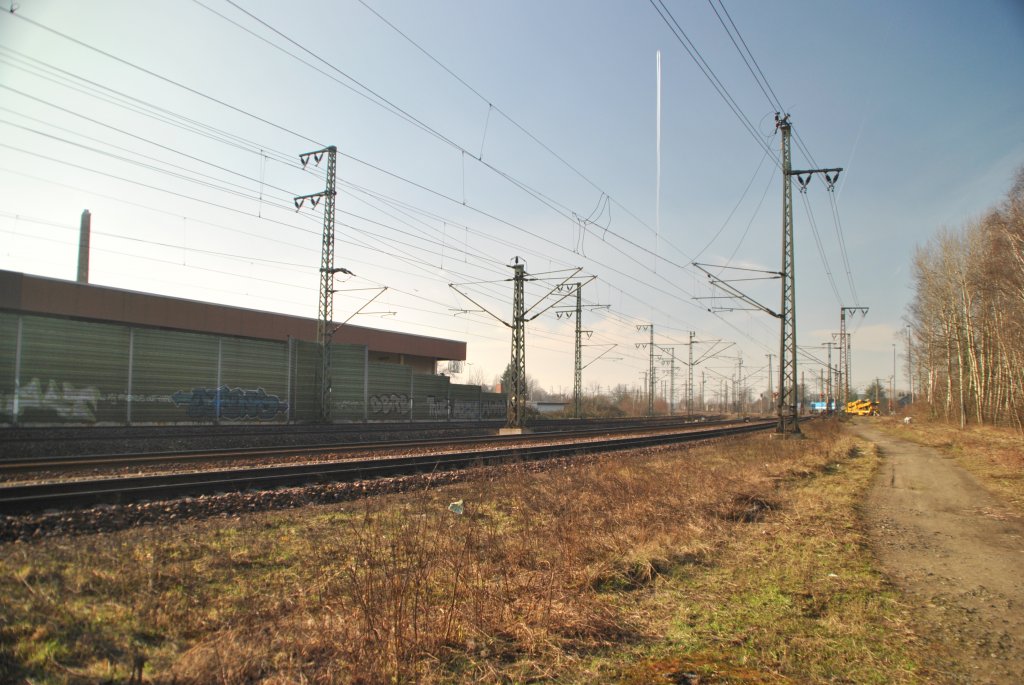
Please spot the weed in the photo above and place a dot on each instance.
(558, 572)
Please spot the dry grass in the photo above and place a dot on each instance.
(575, 573)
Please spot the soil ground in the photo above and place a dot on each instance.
(957, 551)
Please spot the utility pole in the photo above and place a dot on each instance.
(803, 392)
(325, 318)
(643, 385)
(689, 384)
(672, 383)
(828, 392)
(840, 370)
(671, 379)
(578, 364)
(651, 379)
(702, 406)
(771, 394)
(844, 350)
(787, 402)
(577, 379)
(650, 376)
(787, 418)
(742, 394)
(516, 408)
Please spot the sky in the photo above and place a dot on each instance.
(470, 134)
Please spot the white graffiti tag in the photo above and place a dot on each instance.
(67, 401)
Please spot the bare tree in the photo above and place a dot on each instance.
(967, 317)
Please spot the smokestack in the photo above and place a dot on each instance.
(83, 247)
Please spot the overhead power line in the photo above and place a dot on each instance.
(698, 59)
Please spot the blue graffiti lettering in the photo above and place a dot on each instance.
(230, 403)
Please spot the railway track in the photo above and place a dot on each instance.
(26, 498)
(101, 461)
(23, 443)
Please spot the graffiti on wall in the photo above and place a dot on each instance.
(465, 410)
(230, 403)
(437, 407)
(389, 404)
(493, 409)
(66, 400)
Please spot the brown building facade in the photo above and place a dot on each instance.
(27, 294)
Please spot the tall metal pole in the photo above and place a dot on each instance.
(672, 384)
(786, 405)
(577, 381)
(771, 393)
(702, 406)
(689, 384)
(325, 315)
(742, 395)
(325, 323)
(844, 378)
(517, 392)
(672, 380)
(844, 351)
(828, 391)
(650, 378)
(788, 401)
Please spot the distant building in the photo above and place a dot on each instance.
(546, 406)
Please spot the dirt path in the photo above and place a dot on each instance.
(956, 551)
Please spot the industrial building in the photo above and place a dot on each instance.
(77, 353)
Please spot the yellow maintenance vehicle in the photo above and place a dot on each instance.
(862, 408)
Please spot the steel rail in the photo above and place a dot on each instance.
(28, 464)
(20, 499)
(14, 439)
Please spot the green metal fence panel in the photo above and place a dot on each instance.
(72, 372)
(388, 392)
(430, 397)
(465, 402)
(347, 378)
(8, 365)
(57, 371)
(174, 377)
(305, 393)
(493, 405)
(253, 381)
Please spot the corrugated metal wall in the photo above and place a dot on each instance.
(493, 405)
(465, 401)
(348, 382)
(304, 395)
(430, 398)
(9, 336)
(174, 376)
(57, 371)
(72, 372)
(62, 372)
(391, 390)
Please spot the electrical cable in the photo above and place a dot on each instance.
(21, 16)
(691, 50)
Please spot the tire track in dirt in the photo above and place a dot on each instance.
(956, 551)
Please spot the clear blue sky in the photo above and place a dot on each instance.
(920, 101)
